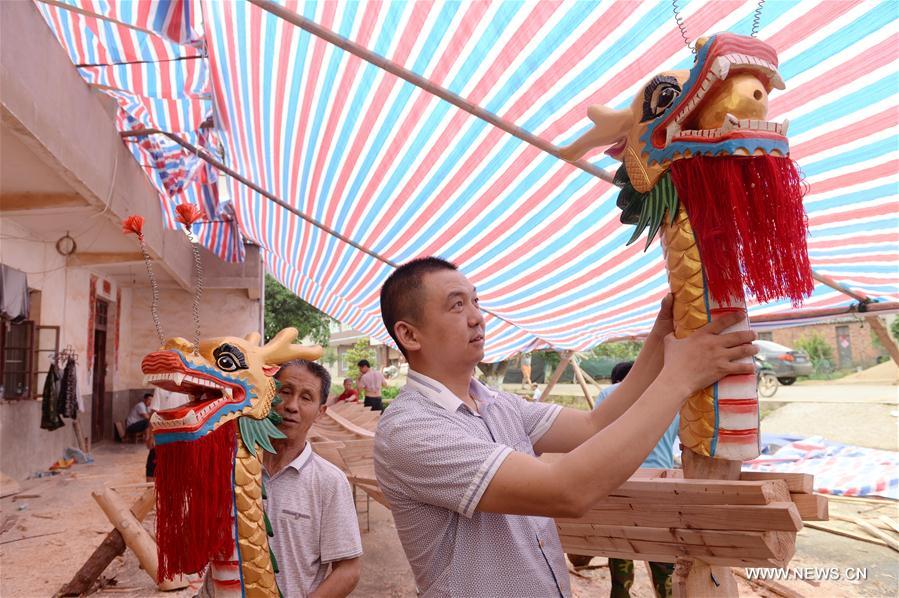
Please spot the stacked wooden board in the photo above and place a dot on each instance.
(656, 515)
(659, 516)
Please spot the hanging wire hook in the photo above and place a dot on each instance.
(680, 25)
(757, 18)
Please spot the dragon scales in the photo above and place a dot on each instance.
(209, 472)
(703, 167)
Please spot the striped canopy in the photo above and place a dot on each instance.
(403, 173)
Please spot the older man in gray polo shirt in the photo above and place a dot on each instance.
(457, 461)
(310, 505)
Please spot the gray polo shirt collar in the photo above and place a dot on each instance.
(440, 394)
(298, 463)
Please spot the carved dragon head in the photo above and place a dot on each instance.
(701, 138)
(717, 108)
(227, 378)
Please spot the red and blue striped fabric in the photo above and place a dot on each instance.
(405, 174)
(839, 469)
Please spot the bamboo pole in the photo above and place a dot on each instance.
(563, 363)
(579, 376)
(111, 547)
(883, 336)
(136, 537)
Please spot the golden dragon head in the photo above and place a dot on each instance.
(227, 378)
(718, 108)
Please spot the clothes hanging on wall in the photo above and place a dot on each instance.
(13, 294)
(50, 419)
(68, 392)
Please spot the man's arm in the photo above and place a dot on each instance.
(573, 427)
(341, 580)
(569, 486)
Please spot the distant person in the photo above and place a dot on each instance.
(661, 457)
(349, 394)
(370, 383)
(138, 419)
(526, 370)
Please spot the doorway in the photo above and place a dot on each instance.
(98, 392)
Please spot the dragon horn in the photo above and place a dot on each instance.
(282, 349)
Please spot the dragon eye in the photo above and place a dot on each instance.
(658, 96)
(229, 358)
(226, 362)
(664, 95)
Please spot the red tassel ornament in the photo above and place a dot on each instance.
(188, 213)
(194, 502)
(135, 225)
(749, 223)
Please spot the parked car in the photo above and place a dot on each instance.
(787, 363)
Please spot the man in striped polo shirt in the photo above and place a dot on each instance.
(473, 505)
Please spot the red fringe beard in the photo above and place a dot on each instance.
(749, 224)
(194, 502)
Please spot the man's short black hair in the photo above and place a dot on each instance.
(363, 363)
(401, 293)
(316, 370)
(148, 394)
(621, 370)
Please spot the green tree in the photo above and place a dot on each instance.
(283, 309)
(819, 351)
(361, 350)
(619, 351)
(894, 328)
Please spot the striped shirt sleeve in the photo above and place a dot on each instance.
(537, 417)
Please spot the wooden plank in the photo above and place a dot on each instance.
(680, 491)
(30, 202)
(812, 507)
(698, 537)
(776, 516)
(870, 529)
(844, 533)
(797, 483)
(889, 523)
(573, 546)
(676, 549)
(350, 426)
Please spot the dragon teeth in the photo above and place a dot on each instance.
(228, 393)
(179, 378)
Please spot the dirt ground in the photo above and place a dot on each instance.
(53, 525)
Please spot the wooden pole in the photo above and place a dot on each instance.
(563, 363)
(694, 577)
(135, 536)
(591, 380)
(883, 336)
(111, 547)
(579, 376)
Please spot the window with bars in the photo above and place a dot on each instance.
(17, 371)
